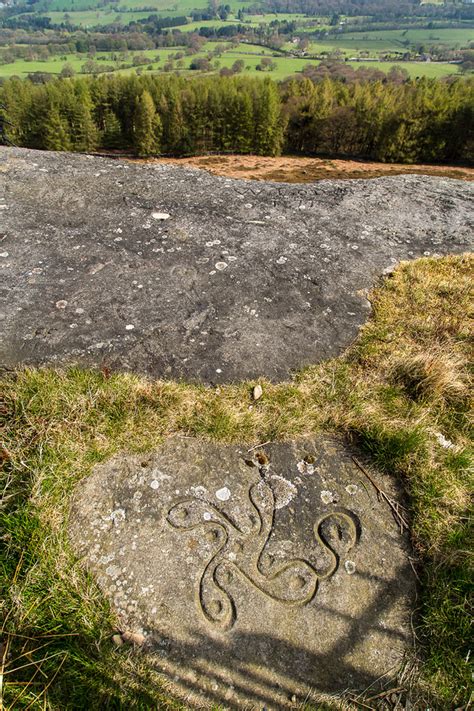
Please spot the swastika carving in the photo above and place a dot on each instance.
(241, 550)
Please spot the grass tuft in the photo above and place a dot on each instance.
(437, 375)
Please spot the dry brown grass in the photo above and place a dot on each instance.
(441, 374)
(297, 169)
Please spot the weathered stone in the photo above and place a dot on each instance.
(254, 576)
(241, 280)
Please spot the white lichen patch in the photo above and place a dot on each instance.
(327, 497)
(103, 560)
(305, 467)
(160, 215)
(116, 516)
(154, 484)
(200, 492)
(350, 567)
(283, 490)
(352, 489)
(223, 494)
(61, 304)
(113, 571)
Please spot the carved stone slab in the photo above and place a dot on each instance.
(255, 576)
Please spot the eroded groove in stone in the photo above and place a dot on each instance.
(176, 273)
(251, 581)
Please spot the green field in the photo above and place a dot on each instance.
(432, 70)
(250, 54)
(376, 45)
(54, 65)
(129, 10)
(93, 18)
(397, 40)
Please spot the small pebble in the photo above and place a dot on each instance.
(133, 638)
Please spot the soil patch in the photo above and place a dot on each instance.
(287, 169)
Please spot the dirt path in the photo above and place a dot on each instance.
(306, 170)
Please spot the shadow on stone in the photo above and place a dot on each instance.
(231, 672)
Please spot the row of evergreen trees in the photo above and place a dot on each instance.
(423, 120)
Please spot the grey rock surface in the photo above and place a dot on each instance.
(254, 576)
(176, 273)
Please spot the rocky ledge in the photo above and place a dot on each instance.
(173, 272)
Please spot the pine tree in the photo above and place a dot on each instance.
(269, 125)
(243, 136)
(175, 125)
(84, 132)
(147, 127)
(112, 133)
(56, 136)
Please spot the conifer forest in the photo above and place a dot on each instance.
(419, 120)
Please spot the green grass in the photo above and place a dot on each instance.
(432, 70)
(195, 26)
(250, 54)
(92, 18)
(404, 381)
(54, 65)
(266, 18)
(376, 41)
(81, 14)
(395, 39)
(286, 66)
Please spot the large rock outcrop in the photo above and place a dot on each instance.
(176, 273)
